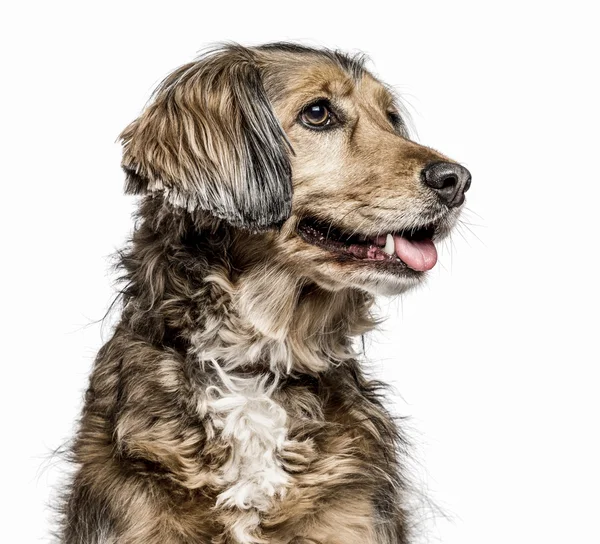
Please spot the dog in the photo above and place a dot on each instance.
(279, 194)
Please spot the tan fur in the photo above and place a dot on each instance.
(236, 348)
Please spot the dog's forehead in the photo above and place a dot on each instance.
(297, 79)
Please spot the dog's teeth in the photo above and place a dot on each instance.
(389, 245)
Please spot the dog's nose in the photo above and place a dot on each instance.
(449, 181)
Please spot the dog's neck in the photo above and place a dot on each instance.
(197, 285)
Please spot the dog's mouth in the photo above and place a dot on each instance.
(410, 248)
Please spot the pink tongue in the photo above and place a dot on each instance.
(419, 256)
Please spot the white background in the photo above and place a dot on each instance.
(494, 360)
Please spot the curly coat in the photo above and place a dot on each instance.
(230, 406)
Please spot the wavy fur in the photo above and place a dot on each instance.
(229, 406)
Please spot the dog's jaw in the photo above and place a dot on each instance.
(338, 260)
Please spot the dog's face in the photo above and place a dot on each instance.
(357, 178)
(310, 139)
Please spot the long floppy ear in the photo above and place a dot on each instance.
(209, 140)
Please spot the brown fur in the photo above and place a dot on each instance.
(214, 294)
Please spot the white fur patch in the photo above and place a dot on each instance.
(246, 417)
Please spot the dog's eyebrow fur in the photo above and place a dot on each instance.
(353, 64)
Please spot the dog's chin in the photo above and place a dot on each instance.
(337, 277)
(384, 283)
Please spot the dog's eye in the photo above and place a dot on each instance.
(317, 115)
(395, 118)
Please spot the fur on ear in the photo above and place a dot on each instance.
(209, 140)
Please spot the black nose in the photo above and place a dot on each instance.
(449, 181)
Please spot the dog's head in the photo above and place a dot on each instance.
(309, 142)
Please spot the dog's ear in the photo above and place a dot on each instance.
(209, 140)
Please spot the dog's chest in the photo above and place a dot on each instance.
(254, 427)
(267, 429)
